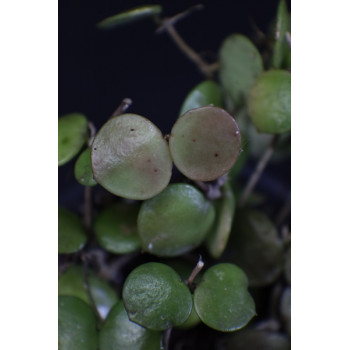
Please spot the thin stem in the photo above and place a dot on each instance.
(166, 338)
(87, 208)
(180, 16)
(195, 272)
(254, 178)
(125, 104)
(167, 25)
(188, 51)
(284, 212)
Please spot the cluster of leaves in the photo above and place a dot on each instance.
(158, 228)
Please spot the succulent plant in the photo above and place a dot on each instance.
(175, 243)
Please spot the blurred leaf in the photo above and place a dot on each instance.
(286, 310)
(116, 228)
(71, 282)
(241, 65)
(184, 269)
(119, 333)
(282, 26)
(71, 234)
(287, 267)
(255, 247)
(76, 325)
(269, 102)
(155, 297)
(82, 169)
(72, 134)
(222, 300)
(225, 209)
(253, 339)
(130, 16)
(206, 93)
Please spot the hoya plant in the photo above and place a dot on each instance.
(175, 245)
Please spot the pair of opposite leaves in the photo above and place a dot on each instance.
(130, 157)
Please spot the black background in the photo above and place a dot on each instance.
(98, 68)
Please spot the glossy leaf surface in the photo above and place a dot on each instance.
(119, 333)
(71, 234)
(205, 93)
(82, 169)
(184, 269)
(282, 26)
(205, 143)
(130, 16)
(155, 297)
(175, 221)
(71, 282)
(222, 300)
(130, 157)
(76, 325)
(192, 320)
(219, 234)
(254, 339)
(255, 247)
(72, 134)
(116, 228)
(240, 65)
(269, 102)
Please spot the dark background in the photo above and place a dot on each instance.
(98, 68)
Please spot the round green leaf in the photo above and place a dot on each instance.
(269, 102)
(116, 228)
(175, 221)
(130, 157)
(129, 16)
(192, 320)
(155, 297)
(254, 339)
(255, 247)
(240, 66)
(119, 333)
(282, 26)
(71, 282)
(72, 134)
(208, 92)
(205, 143)
(225, 209)
(82, 169)
(222, 300)
(184, 269)
(76, 325)
(71, 234)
